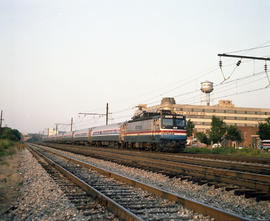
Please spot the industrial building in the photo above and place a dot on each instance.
(245, 118)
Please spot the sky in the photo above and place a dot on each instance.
(62, 57)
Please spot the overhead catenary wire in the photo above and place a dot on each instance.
(218, 86)
(226, 87)
(186, 95)
(197, 91)
(248, 49)
(237, 93)
(243, 92)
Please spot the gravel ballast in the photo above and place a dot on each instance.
(219, 198)
(39, 197)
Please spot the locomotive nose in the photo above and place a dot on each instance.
(173, 143)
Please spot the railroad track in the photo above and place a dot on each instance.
(128, 198)
(89, 207)
(249, 179)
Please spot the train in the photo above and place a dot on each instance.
(163, 131)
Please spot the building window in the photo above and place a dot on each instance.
(235, 111)
(245, 112)
(256, 112)
(214, 111)
(225, 111)
(203, 110)
(235, 118)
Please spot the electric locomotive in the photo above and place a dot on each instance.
(163, 131)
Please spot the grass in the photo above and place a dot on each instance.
(8, 148)
(229, 151)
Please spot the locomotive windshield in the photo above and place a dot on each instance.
(167, 123)
(180, 123)
(170, 122)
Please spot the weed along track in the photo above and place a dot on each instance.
(129, 199)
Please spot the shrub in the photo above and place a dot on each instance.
(6, 147)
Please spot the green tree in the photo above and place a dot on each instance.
(218, 129)
(10, 134)
(233, 134)
(264, 130)
(190, 127)
(202, 137)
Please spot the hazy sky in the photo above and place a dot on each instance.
(59, 58)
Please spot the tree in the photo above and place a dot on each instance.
(10, 134)
(264, 130)
(202, 138)
(190, 127)
(233, 134)
(218, 129)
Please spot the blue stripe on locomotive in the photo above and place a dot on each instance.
(154, 138)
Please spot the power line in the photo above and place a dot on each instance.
(97, 114)
(244, 92)
(249, 49)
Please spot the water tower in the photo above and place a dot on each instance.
(207, 88)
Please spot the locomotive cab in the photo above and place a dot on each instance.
(173, 122)
(173, 130)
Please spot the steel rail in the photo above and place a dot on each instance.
(113, 206)
(199, 207)
(219, 163)
(191, 159)
(258, 182)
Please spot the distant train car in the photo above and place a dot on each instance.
(58, 138)
(106, 135)
(82, 136)
(67, 137)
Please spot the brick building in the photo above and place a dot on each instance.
(245, 118)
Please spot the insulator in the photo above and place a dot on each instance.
(265, 67)
(238, 63)
(220, 64)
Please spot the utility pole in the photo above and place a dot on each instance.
(107, 114)
(1, 120)
(56, 127)
(71, 124)
(97, 114)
